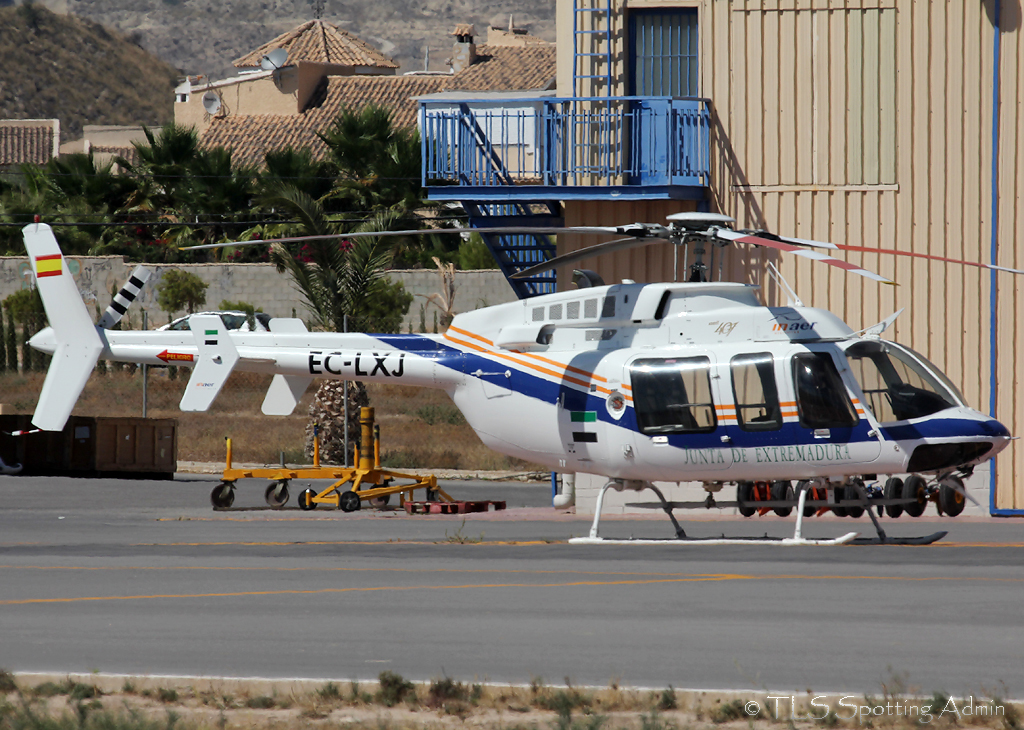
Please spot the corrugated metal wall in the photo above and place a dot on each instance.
(869, 123)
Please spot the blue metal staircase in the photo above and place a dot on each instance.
(514, 253)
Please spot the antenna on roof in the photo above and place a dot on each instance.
(318, 9)
(426, 59)
(274, 60)
(211, 102)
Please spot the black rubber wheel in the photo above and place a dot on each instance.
(381, 501)
(811, 494)
(349, 501)
(840, 494)
(222, 496)
(782, 490)
(744, 496)
(275, 498)
(306, 499)
(914, 488)
(854, 511)
(951, 498)
(893, 490)
(432, 495)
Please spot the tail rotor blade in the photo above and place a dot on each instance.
(124, 298)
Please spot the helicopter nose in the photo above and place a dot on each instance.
(994, 429)
(44, 340)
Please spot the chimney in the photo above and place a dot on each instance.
(464, 51)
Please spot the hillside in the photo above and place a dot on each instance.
(79, 72)
(204, 36)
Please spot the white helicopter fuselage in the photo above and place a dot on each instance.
(655, 382)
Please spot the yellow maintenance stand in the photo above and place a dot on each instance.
(369, 482)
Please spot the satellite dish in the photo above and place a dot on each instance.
(211, 102)
(274, 60)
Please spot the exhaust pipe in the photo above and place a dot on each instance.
(567, 498)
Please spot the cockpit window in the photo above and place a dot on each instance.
(821, 397)
(896, 384)
(673, 395)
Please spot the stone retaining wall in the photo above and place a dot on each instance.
(98, 277)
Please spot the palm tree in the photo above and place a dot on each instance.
(379, 162)
(179, 182)
(340, 277)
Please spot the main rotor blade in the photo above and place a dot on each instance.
(930, 257)
(515, 230)
(789, 239)
(586, 253)
(800, 251)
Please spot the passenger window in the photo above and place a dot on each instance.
(757, 396)
(673, 395)
(820, 394)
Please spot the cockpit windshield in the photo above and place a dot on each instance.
(898, 384)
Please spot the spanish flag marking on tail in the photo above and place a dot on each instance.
(48, 265)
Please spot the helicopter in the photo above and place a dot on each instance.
(693, 381)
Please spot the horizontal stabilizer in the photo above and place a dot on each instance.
(216, 359)
(78, 343)
(284, 393)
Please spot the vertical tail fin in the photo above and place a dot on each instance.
(78, 345)
(124, 298)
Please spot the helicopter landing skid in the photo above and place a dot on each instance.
(681, 538)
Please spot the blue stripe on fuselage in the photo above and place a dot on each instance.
(945, 428)
(575, 399)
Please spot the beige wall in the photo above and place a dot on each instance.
(868, 123)
(261, 93)
(258, 284)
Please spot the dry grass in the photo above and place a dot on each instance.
(442, 704)
(419, 427)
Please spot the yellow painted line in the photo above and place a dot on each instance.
(470, 586)
(307, 569)
(372, 589)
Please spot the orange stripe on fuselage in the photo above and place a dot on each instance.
(517, 361)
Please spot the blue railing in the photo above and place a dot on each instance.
(582, 142)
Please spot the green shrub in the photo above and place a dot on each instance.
(7, 683)
(446, 690)
(393, 688)
(727, 712)
(330, 691)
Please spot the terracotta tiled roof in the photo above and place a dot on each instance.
(251, 137)
(508, 68)
(320, 42)
(497, 69)
(129, 153)
(29, 143)
(396, 93)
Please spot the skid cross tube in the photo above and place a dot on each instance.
(682, 539)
